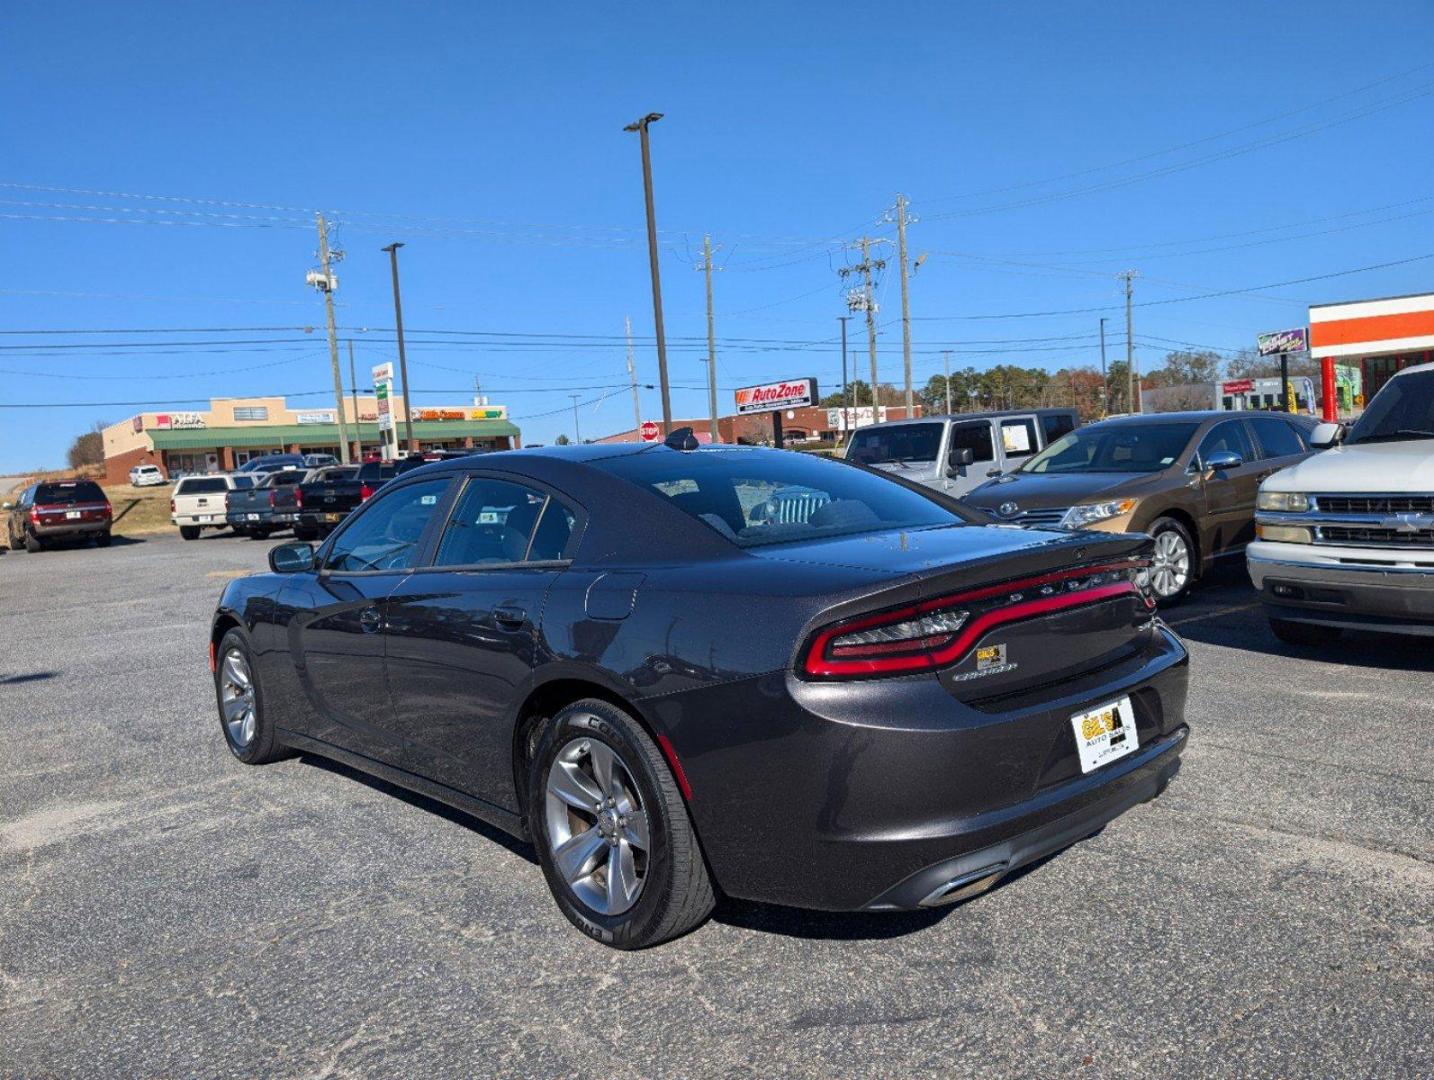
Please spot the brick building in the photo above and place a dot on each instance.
(798, 425)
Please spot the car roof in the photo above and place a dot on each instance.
(1414, 370)
(965, 416)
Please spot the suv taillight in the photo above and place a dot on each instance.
(172, 506)
(939, 632)
(365, 493)
(272, 501)
(298, 496)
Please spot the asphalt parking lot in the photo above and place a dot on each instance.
(167, 911)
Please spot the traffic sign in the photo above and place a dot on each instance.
(649, 431)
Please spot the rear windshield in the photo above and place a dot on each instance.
(909, 442)
(755, 497)
(287, 476)
(1114, 448)
(203, 485)
(79, 491)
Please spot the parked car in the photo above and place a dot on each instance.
(1345, 540)
(325, 502)
(954, 454)
(270, 505)
(146, 476)
(886, 706)
(273, 462)
(199, 502)
(1189, 479)
(58, 510)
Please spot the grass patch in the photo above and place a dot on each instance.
(140, 511)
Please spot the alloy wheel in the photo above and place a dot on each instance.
(236, 696)
(1170, 565)
(597, 827)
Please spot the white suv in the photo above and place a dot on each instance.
(1346, 537)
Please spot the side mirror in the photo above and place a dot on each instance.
(7, 505)
(1326, 435)
(993, 473)
(1221, 460)
(292, 558)
(958, 459)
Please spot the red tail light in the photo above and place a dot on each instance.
(108, 510)
(298, 497)
(272, 501)
(172, 506)
(365, 493)
(939, 632)
(35, 514)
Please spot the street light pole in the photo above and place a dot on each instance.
(1104, 378)
(641, 126)
(392, 250)
(845, 394)
(577, 430)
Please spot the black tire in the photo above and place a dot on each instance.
(14, 541)
(189, 532)
(33, 543)
(259, 534)
(103, 539)
(1159, 527)
(306, 535)
(1298, 633)
(264, 746)
(677, 893)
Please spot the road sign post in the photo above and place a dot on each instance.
(383, 393)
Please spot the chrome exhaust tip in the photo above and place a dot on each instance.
(965, 886)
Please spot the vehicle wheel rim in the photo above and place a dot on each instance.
(597, 827)
(1170, 566)
(236, 698)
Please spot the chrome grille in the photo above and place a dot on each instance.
(797, 508)
(1375, 535)
(1374, 504)
(1047, 517)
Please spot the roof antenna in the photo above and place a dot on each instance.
(682, 439)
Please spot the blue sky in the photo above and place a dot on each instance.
(1044, 147)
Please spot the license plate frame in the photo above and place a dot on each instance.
(1106, 733)
(72, 515)
(331, 517)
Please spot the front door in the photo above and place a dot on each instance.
(973, 435)
(1230, 493)
(464, 633)
(340, 638)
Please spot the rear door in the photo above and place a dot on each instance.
(1280, 443)
(464, 632)
(1018, 439)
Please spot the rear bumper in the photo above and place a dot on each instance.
(70, 528)
(1316, 587)
(831, 807)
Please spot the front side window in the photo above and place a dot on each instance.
(1227, 437)
(756, 497)
(387, 535)
(1117, 447)
(975, 437)
(498, 521)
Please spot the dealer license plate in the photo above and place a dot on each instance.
(72, 515)
(1105, 734)
(333, 517)
(203, 517)
(251, 517)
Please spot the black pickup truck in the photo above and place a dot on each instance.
(325, 502)
(270, 505)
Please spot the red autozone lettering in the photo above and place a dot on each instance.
(769, 395)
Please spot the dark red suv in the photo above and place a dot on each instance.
(58, 510)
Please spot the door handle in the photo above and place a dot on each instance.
(510, 615)
(370, 620)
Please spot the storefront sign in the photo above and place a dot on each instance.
(179, 421)
(488, 412)
(139, 423)
(1238, 386)
(326, 417)
(439, 414)
(859, 416)
(770, 397)
(1283, 341)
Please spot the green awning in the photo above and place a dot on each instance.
(321, 434)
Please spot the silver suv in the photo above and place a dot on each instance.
(955, 454)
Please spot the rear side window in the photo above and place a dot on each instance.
(1277, 436)
(494, 521)
(79, 491)
(201, 485)
(1018, 438)
(1054, 425)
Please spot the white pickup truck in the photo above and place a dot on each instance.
(201, 502)
(1345, 539)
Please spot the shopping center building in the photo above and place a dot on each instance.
(802, 424)
(233, 430)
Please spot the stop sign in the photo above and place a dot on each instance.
(649, 431)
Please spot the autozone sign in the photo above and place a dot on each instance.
(778, 395)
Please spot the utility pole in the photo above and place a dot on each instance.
(632, 378)
(353, 386)
(1104, 379)
(865, 300)
(392, 250)
(1134, 394)
(326, 286)
(947, 355)
(577, 430)
(711, 339)
(641, 126)
(847, 418)
(901, 222)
